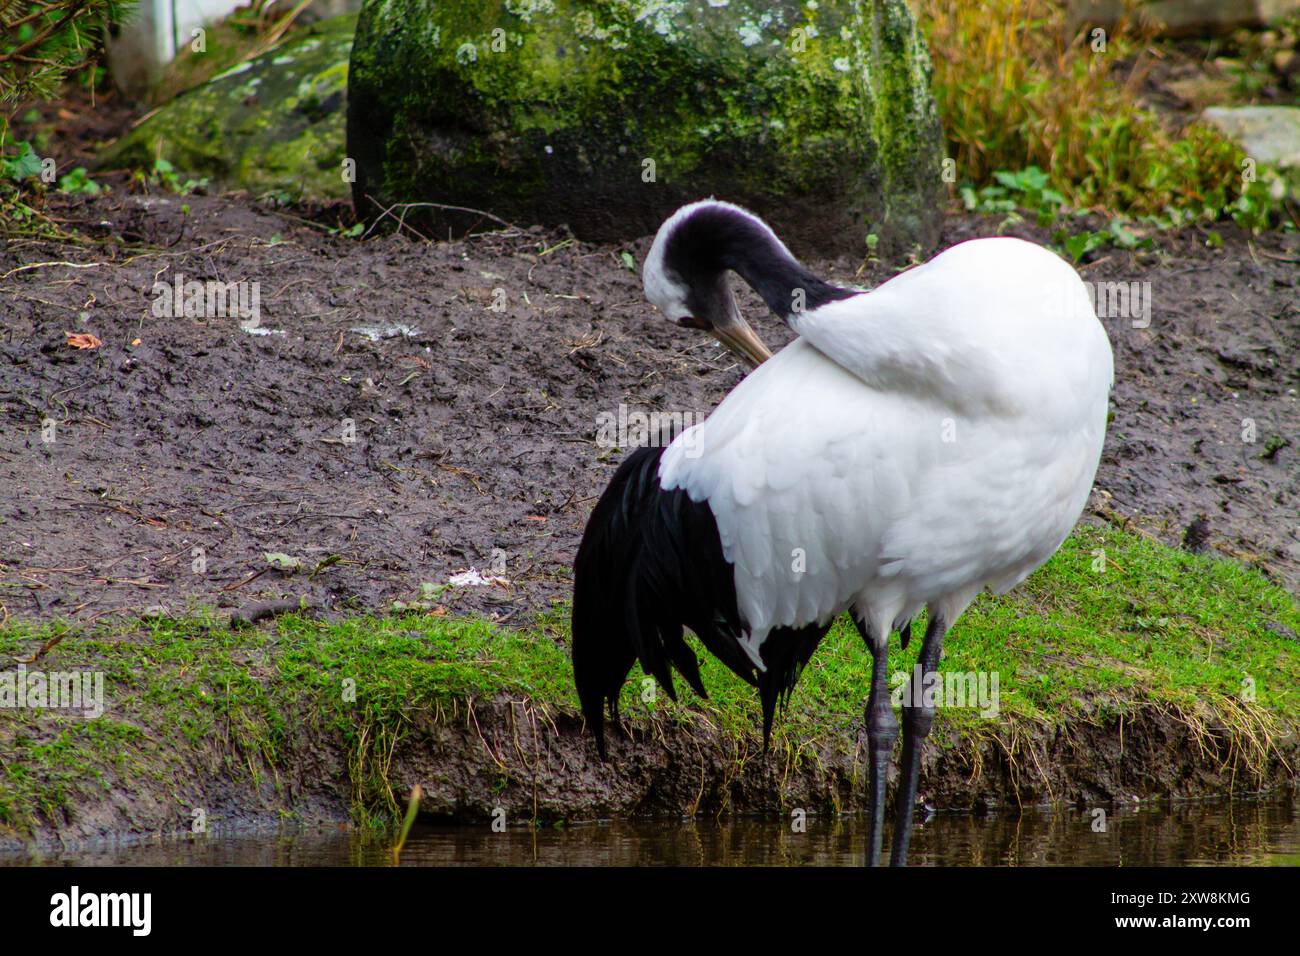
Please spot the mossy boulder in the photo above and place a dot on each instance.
(605, 115)
(274, 124)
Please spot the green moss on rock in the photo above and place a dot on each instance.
(607, 114)
(272, 125)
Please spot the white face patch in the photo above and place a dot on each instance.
(665, 293)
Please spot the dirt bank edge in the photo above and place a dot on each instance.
(242, 728)
(534, 762)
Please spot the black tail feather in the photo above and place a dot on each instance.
(904, 629)
(650, 564)
(785, 653)
(646, 639)
(683, 658)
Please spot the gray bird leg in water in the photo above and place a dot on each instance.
(882, 731)
(918, 715)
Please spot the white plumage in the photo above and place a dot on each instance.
(915, 444)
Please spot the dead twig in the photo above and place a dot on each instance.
(44, 648)
(248, 580)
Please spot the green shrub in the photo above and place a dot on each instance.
(1016, 90)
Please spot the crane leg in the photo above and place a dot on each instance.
(918, 715)
(882, 731)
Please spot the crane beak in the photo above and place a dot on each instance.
(743, 342)
(718, 314)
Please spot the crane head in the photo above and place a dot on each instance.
(686, 280)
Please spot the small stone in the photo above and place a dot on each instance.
(1270, 135)
(1181, 18)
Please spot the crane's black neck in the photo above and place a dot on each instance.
(717, 238)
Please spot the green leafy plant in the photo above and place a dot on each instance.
(164, 174)
(1254, 208)
(1079, 244)
(1027, 189)
(23, 164)
(78, 182)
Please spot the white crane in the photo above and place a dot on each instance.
(915, 444)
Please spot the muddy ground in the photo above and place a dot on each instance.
(183, 449)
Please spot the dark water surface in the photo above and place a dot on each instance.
(1247, 833)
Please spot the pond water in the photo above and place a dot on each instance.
(1245, 833)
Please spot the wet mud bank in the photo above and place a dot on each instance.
(531, 764)
(543, 763)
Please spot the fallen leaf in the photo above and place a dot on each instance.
(83, 340)
(282, 562)
(135, 341)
